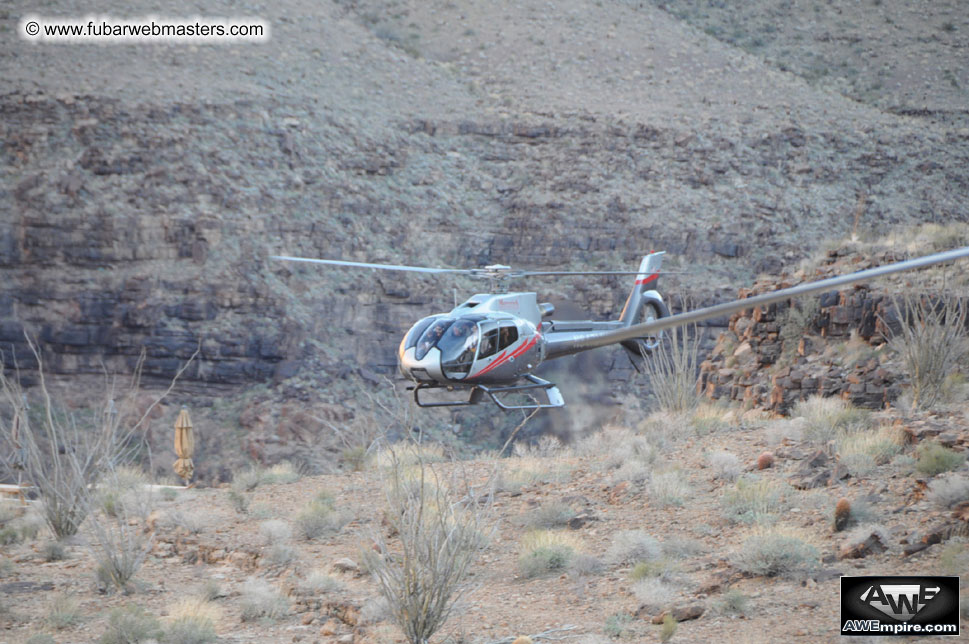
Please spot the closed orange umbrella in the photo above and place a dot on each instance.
(184, 446)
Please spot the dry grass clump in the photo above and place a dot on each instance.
(130, 625)
(672, 370)
(284, 472)
(546, 551)
(319, 583)
(192, 621)
(119, 540)
(63, 611)
(726, 466)
(934, 458)
(406, 454)
(949, 490)
(260, 600)
(776, 552)
(753, 500)
(653, 590)
(633, 546)
(708, 418)
(669, 487)
(546, 446)
(823, 417)
(275, 531)
(320, 518)
(519, 473)
(549, 515)
(862, 451)
(733, 602)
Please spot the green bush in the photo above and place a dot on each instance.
(545, 559)
(752, 500)
(934, 459)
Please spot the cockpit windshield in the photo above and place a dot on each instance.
(457, 346)
(430, 337)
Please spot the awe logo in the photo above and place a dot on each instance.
(901, 601)
(899, 605)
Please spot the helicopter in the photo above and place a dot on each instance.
(490, 344)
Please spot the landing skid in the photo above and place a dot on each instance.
(478, 392)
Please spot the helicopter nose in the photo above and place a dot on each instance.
(424, 370)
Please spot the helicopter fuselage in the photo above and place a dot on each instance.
(492, 339)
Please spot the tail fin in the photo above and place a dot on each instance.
(646, 279)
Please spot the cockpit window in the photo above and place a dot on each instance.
(489, 344)
(416, 331)
(507, 336)
(430, 337)
(458, 345)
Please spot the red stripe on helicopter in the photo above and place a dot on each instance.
(504, 357)
(647, 280)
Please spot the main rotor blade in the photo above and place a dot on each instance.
(553, 273)
(386, 267)
(595, 340)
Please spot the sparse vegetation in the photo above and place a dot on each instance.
(320, 583)
(653, 590)
(192, 621)
(63, 611)
(954, 559)
(753, 500)
(319, 518)
(670, 487)
(861, 451)
(934, 458)
(932, 342)
(948, 491)
(119, 541)
(438, 528)
(825, 416)
(619, 626)
(633, 546)
(775, 552)
(734, 602)
(53, 551)
(725, 465)
(261, 600)
(545, 551)
(550, 515)
(668, 629)
(672, 370)
(130, 625)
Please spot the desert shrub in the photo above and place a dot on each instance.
(40, 638)
(130, 625)
(119, 542)
(53, 551)
(678, 546)
(408, 454)
(275, 531)
(247, 480)
(63, 611)
(584, 565)
(752, 499)
(520, 472)
(672, 370)
(932, 342)
(954, 559)
(284, 472)
(823, 417)
(775, 553)
(210, 590)
(725, 465)
(862, 451)
(64, 452)
(632, 546)
(191, 522)
(670, 487)
(281, 554)
(657, 568)
(947, 491)
(551, 515)
(934, 458)
(320, 583)
(7, 568)
(653, 590)
(260, 600)
(707, 418)
(191, 621)
(546, 446)
(545, 551)
(734, 602)
(619, 625)
(239, 501)
(439, 526)
(319, 519)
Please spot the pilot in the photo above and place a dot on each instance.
(431, 337)
(505, 336)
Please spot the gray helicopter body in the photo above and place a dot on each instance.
(490, 344)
